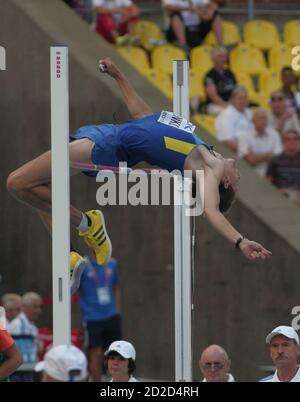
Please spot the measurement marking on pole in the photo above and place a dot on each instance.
(60, 290)
(180, 72)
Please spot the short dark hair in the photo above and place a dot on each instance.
(131, 366)
(131, 362)
(226, 197)
(285, 69)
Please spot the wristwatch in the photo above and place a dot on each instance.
(238, 242)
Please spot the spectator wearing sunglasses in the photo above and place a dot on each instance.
(215, 364)
(120, 361)
(280, 117)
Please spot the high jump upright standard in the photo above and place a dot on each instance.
(59, 66)
(61, 215)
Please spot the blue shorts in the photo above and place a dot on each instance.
(103, 333)
(161, 139)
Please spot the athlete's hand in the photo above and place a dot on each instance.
(253, 250)
(108, 67)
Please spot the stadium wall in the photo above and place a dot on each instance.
(236, 302)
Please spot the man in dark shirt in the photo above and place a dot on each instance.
(284, 169)
(219, 82)
(289, 82)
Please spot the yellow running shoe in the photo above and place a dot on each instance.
(97, 238)
(77, 264)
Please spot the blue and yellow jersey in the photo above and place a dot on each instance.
(161, 139)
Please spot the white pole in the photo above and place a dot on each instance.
(182, 243)
(59, 66)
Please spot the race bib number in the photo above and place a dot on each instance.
(171, 119)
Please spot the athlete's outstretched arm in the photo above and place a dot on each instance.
(250, 249)
(136, 105)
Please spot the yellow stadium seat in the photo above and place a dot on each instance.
(245, 80)
(247, 59)
(268, 82)
(279, 56)
(201, 58)
(291, 33)
(163, 56)
(206, 121)
(262, 100)
(135, 56)
(261, 34)
(160, 80)
(196, 84)
(149, 33)
(231, 35)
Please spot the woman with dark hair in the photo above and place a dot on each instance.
(120, 361)
(160, 139)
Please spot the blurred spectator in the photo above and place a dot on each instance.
(63, 364)
(289, 82)
(10, 357)
(191, 21)
(100, 310)
(184, 23)
(280, 118)
(210, 19)
(215, 365)
(284, 170)
(12, 303)
(82, 7)
(120, 361)
(32, 306)
(284, 351)
(259, 144)
(116, 20)
(219, 82)
(234, 119)
(25, 334)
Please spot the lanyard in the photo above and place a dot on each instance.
(93, 272)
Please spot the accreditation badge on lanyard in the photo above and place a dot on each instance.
(103, 292)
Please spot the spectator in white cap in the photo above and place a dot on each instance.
(63, 363)
(120, 361)
(284, 351)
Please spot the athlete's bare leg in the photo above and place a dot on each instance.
(31, 182)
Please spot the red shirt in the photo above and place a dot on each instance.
(6, 341)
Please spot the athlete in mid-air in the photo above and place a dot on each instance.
(161, 139)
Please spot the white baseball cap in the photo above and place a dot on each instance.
(284, 330)
(60, 360)
(125, 349)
